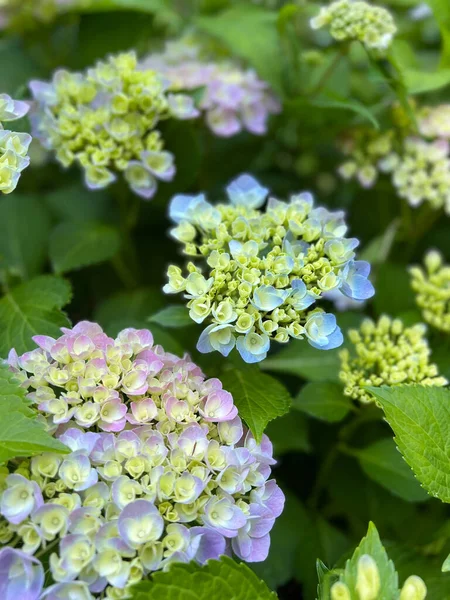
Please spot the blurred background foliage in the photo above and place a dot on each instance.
(114, 248)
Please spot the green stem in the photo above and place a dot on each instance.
(327, 73)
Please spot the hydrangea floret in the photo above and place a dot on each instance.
(419, 167)
(105, 120)
(350, 20)
(260, 271)
(13, 146)
(161, 470)
(233, 99)
(432, 286)
(368, 584)
(386, 353)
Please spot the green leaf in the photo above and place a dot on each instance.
(12, 395)
(23, 436)
(76, 245)
(419, 82)
(128, 309)
(33, 308)
(172, 317)
(382, 462)
(420, 418)
(372, 545)
(393, 291)
(323, 400)
(24, 227)
(251, 33)
(446, 565)
(302, 360)
(289, 433)
(75, 203)
(334, 101)
(217, 580)
(258, 397)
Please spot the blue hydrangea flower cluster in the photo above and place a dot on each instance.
(13, 146)
(233, 99)
(105, 120)
(260, 271)
(167, 473)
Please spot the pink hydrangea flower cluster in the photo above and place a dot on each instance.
(161, 470)
(233, 99)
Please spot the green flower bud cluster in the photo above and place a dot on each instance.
(432, 287)
(368, 584)
(386, 353)
(349, 20)
(106, 119)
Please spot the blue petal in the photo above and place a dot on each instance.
(203, 344)
(246, 190)
(181, 205)
(246, 355)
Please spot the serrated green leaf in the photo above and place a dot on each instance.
(251, 33)
(217, 580)
(259, 398)
(24, 227)
(172, 317)
(23, 436)
(33, 308)
(12, 395)
(289, 433)
(372, 545)
(420, 418)
(323, 400)
(77, 245)
(382, 462)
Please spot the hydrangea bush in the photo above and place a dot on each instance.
(219, 393)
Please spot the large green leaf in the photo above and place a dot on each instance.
(21, 434)
(33, 308)
(217, 580)
(76, 245)
(258, 397)
(420, 418)
(323, 400)
(12, 395)
(382, 462)
(75, 203)
(24, 227)
(251, 33)
(372, 546)
(302, 360)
